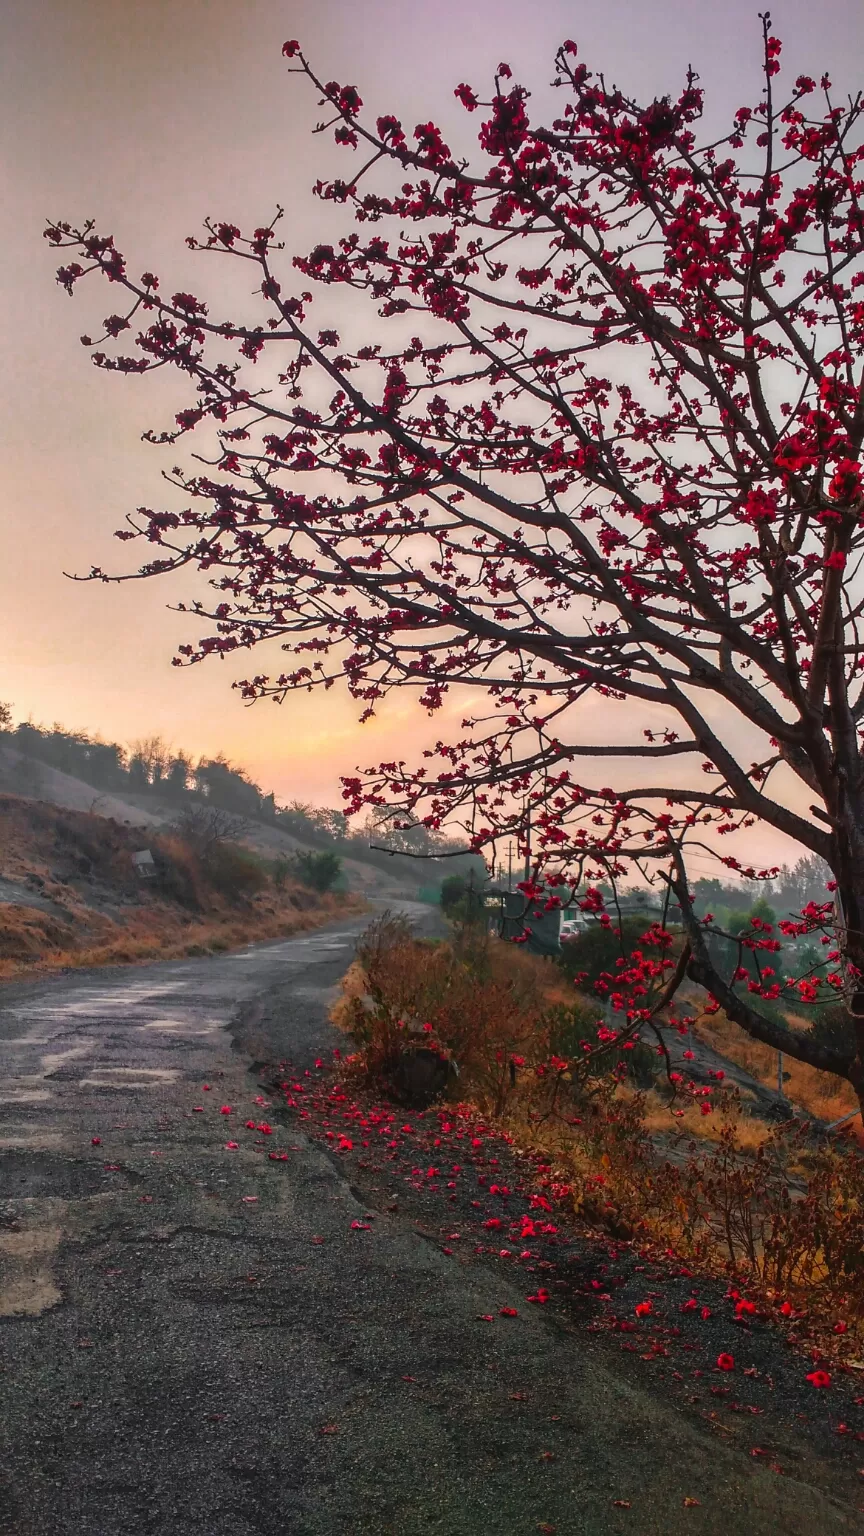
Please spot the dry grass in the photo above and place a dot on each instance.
(819, 1093)
(32, 940)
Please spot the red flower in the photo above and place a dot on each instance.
(225, 1110)
(507, 1312)
(725, 1362)
(95, 1141)
(846, 484)
(644, 1308)
(819, 1379)
(291, 49)
(467, 97)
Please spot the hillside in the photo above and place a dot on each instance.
(32, 779)
(70, 893)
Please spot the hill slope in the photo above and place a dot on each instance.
(70, 893)
(29, 778)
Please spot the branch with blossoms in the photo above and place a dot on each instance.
(602, 443)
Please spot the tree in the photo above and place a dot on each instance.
(206, 828)
(176, 781)
(604, 436)
(227, 787)
(452, 891)
(150, 756)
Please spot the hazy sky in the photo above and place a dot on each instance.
(150, 114)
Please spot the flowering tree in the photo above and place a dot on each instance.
(600, 434)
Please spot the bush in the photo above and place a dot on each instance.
(597, 950)
(452, 891)
(178, 873)
(280, 870)
(235, 872)
(479, 1001)
(319, 871)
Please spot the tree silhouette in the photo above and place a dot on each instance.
(601, 441)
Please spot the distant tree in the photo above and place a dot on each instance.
(226, 786)
(138, 778)
(452, 891)
(205, 828)
(5, 717)
(176, 781)
(153, 754)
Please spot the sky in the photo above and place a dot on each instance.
(148, 115)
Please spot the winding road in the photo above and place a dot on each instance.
(195, 1340)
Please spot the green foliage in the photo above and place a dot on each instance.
(597, 949)
(319, 871)
(452, 891)
(570, 1026)
(833, 1026)
(464, 906)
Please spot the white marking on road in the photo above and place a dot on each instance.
(180, 1027)
(55, 1059)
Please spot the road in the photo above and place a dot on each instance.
(195, 1341)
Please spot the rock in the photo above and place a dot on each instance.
(421, 1076)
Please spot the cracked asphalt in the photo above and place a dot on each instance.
(195, 1339)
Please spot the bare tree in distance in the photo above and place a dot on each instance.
(204, 828)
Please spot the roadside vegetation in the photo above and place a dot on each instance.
(769, 1204)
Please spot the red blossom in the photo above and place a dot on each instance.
(819, 1379)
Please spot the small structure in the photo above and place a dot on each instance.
(145, 864)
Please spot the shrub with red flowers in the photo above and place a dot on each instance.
(604, 437)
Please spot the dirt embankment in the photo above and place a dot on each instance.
(70, 893)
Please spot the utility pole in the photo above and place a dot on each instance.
(528, 844)
(510, 866)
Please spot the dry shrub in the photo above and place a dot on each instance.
(482, 1003)
(769, 1205)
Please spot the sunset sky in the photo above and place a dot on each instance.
(148, 115)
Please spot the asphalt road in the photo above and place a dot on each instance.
(195, 1339)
